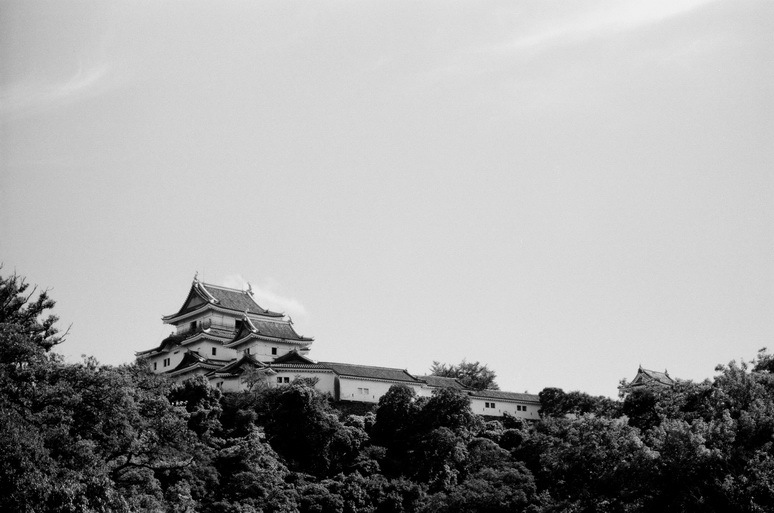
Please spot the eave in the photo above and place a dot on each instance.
(202, 335)
(191, 368)
(254, 336)
(481, 394)
(381, 380)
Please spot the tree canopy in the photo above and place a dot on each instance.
(472, 375)
(87, 437)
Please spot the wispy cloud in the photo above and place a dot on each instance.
(31, 95)
(605, 19)
(266, 296)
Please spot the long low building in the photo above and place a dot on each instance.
(224, 335)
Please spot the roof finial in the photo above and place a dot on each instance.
(249, 289)
(290, 319)
(196, 276)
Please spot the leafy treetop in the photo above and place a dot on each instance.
(472, 375)
(17, 311)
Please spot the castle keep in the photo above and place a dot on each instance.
(224, 335)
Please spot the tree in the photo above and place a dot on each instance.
(79, 437)
(202, 403)
(25, 317)
(395, 426)
(251, 478)
(472, 375)
(554, 402)
(303, 428)
(489, 491)
(590, 463)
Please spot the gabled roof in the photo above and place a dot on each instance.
(442, 382)
(504, 396)
(365, 371)
(213, 333)
(237, 367)
(166, 345)
(192, 360)
(296, 361)
(202, 294)
(294, 357)
(268, 328)
(649, 377)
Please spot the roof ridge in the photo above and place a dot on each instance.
(223, 287)
(278, 320)
(369, 366)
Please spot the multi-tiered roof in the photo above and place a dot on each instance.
(267, 330)
(248, 322)
(649, 378)
(223, 335)
(207, 297)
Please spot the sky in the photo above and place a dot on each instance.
(560, 190)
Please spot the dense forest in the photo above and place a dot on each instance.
(90, 437)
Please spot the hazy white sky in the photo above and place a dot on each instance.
(561, 190)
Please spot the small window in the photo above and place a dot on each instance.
(166, 362)
(214, 351)
(286, 380)
(237, 325)
(279, 380)
(365, 391)
(247, 351)
(155, 365)
(193, 326)
(273, 350)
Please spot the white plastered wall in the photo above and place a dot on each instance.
(175, 357)
(326, 381)
(204, 348)
(478, 406)
(367, 390)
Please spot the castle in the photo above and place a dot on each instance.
(224, 335)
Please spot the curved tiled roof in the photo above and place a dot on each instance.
(366, 371)
(276, 329)
(240, 300)
(504, 396)
(236, 366)
(646, 377)
(193, 359)
(348, 370)
(176, 339)
(223, 297)
(294, 357)
(442, 382)
(279, 329)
